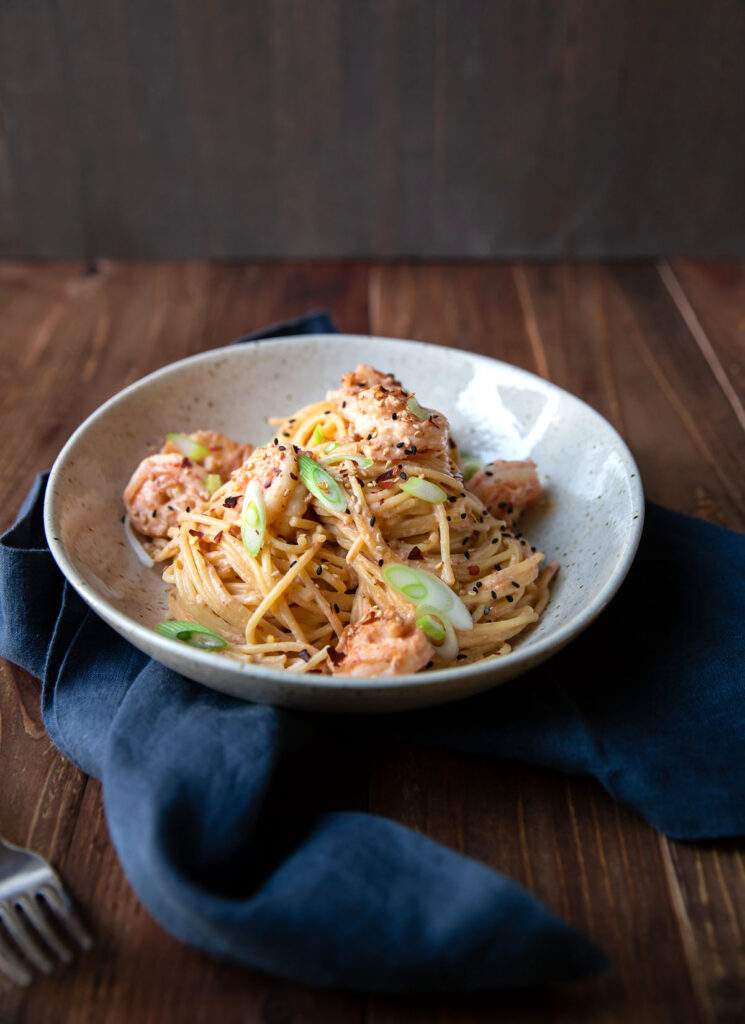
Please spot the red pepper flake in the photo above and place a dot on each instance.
(231, 501)
(196, 533)
(335, 657)
(293, 476)
(415, 555)
(217, 538)
(185, 463)
(473, 570)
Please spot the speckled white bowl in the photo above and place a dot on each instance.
(496, 411)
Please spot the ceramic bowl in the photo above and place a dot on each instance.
(592, 526)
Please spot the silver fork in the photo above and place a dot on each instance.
(31, 896)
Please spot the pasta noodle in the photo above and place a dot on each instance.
(320, 572)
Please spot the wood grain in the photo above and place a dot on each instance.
(671, 915)
(379, 128)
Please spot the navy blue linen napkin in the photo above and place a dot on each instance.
(213, 806)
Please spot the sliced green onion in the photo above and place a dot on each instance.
(187, 447)
(361, 461)
(253, 519)
(416, 409)
(318, 437)
(425, 589)
(469, 464)
(423, 489)
(213, 482)
(429, 625)
(193, 634)
(440, 630)
(330, 447)
(321, 484)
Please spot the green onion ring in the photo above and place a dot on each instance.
(317, 437)
(187, 447)
(213, 482)
(253, 519)
(442, 632)
(361, 461)
(424, 489)
(424, 589)
(321, 484)
(193, 634)
(417, 410)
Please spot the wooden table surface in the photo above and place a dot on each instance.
(657, 349)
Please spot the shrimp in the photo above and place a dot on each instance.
(389, 429)
(162, 487)
(506, 488)
(223, 456)
(383, 643)
(275, 468)
(357, 380)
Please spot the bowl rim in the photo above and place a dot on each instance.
(519, 660)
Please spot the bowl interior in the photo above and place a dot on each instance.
(591, 527)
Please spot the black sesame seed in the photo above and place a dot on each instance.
(369, 437)
(380, 561)
(154, 513)
(494, 595)
(324, 559)
(488, 472)
(429, 664)
(400, 444)
(463, 515)
(372, 521)
(394, 416)
(346, 510)
(452, 498)
(495, 540)
(514, 584)
(467, 554)
(275, 440)
(461, 657)
(403, 475)
(336, 608)
(327, 413)
(295, 449)
(319, 570)
(486, 611)
(282, 448)
(284, 434)
(448, 519)
(303, 655)
(293, 562)
(479, 585)
(532, 549)
(188, 509)
(293, 476)
(475, 590)
(509, 597)
(343, 405)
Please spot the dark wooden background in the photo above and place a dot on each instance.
(329, 128)
(658, 350)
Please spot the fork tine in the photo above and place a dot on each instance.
(59, 902)
(23, 938)
(33, 912)
(12, 966)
